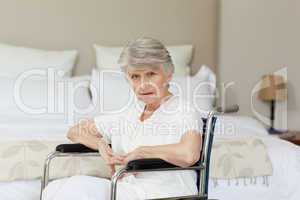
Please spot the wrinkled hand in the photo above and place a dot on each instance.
(124, 159)
(85, 129)
(134, 155)
(109, 157)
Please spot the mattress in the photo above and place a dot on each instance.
(283, 184)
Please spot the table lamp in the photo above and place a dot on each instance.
(273, 88)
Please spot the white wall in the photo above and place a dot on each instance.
(77, 24)
(259, 37)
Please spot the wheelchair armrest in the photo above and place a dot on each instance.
(74, 148)
(149, 163)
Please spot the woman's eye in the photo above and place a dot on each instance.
(151, 74)
(134, 76)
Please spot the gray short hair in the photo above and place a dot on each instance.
(146, 51)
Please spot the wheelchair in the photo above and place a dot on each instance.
(146, 165)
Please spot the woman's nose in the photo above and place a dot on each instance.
(144, 82)
(143, 85)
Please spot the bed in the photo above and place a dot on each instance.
(281, 185)
(17, 126)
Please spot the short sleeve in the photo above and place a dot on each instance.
(107, 126)
(190, 121)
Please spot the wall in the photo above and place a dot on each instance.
(259, 37)
(77, 24)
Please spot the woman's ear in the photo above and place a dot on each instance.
(169, 77)
(127, 77)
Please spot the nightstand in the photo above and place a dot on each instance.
(291, 136)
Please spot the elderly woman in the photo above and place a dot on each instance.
(161, 125)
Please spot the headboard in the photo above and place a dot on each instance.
(78, 24)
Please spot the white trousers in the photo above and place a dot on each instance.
(88, 188)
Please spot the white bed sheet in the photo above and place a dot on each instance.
(284, 156)
(23, 127)
(18, 127)
(20, 190)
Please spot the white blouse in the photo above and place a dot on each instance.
(166, 125)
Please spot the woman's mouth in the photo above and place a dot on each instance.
(146, 93)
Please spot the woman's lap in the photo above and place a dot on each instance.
(87, 188)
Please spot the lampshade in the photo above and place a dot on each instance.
(273, 87)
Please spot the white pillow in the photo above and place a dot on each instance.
(111, 92)
(15, 60)
(232, 126)
(181, 57)
(107, 57)
(198, 89)
(41, 98)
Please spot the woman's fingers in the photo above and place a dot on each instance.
(112, 169)
(109, 151)
(129, 157)
(120, 157)
(134, 155)
(115, 161)
(109, 157)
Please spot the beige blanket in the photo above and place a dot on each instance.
(240, 158)
(23, 160)
(231, 159)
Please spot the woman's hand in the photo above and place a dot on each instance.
(109, 157)
(112, 159)
(134, 155)
(85, 133)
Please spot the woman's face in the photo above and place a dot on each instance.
(149, 83)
